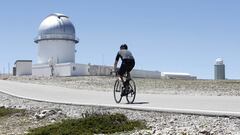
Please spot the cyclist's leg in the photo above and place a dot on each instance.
(130, 66)
(121, 72)
(118, 72)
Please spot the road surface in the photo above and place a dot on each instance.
(203, 105)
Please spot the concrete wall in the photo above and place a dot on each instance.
(23, 68)
(99, 70)
(180, 76)
(146, 74)
(41, 70)
(71, 69)
(63, 69)
(80, 69)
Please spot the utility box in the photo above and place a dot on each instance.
(23, 67)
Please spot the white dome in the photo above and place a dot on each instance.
(219, 61)
(56, 27)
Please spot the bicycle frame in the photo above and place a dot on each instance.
(125, 90)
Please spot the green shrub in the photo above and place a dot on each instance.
(9, 111)
(92, 124)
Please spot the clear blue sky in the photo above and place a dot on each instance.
(171, 35)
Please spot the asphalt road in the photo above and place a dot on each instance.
(203, 105)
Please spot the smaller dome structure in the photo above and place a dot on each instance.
(219, 61)
(56, 27)
(219, 69)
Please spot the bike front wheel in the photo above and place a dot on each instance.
(131, 92)
(117, 92)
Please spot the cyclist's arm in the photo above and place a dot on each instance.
(116, 61)
(115, 65)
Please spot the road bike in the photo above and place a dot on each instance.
(121, 89)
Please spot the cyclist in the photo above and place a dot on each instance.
(127, 65)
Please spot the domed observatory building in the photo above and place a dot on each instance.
(56, 42)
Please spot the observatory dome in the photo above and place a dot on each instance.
(56, 27)
(219, 61)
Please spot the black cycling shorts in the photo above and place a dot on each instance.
(126, 67)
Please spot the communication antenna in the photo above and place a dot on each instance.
(3, 70)
(8, 68)
(103, 60)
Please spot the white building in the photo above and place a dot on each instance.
(23, 67)
(145, 74)
(56, 42)
(173, 75)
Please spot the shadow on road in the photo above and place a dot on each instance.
(140, 103)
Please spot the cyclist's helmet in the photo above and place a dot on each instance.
(124, 46)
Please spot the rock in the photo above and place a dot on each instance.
(204, 132)
(44, 113)
(157, 133)
(143, 132)
(171, 121)
(53, 120)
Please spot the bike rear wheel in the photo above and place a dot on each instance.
(117, 92)
(131, 92)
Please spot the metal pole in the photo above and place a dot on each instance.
(8, 68)
(102, 60)
(3, 71)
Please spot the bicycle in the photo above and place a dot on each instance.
(121, 90)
